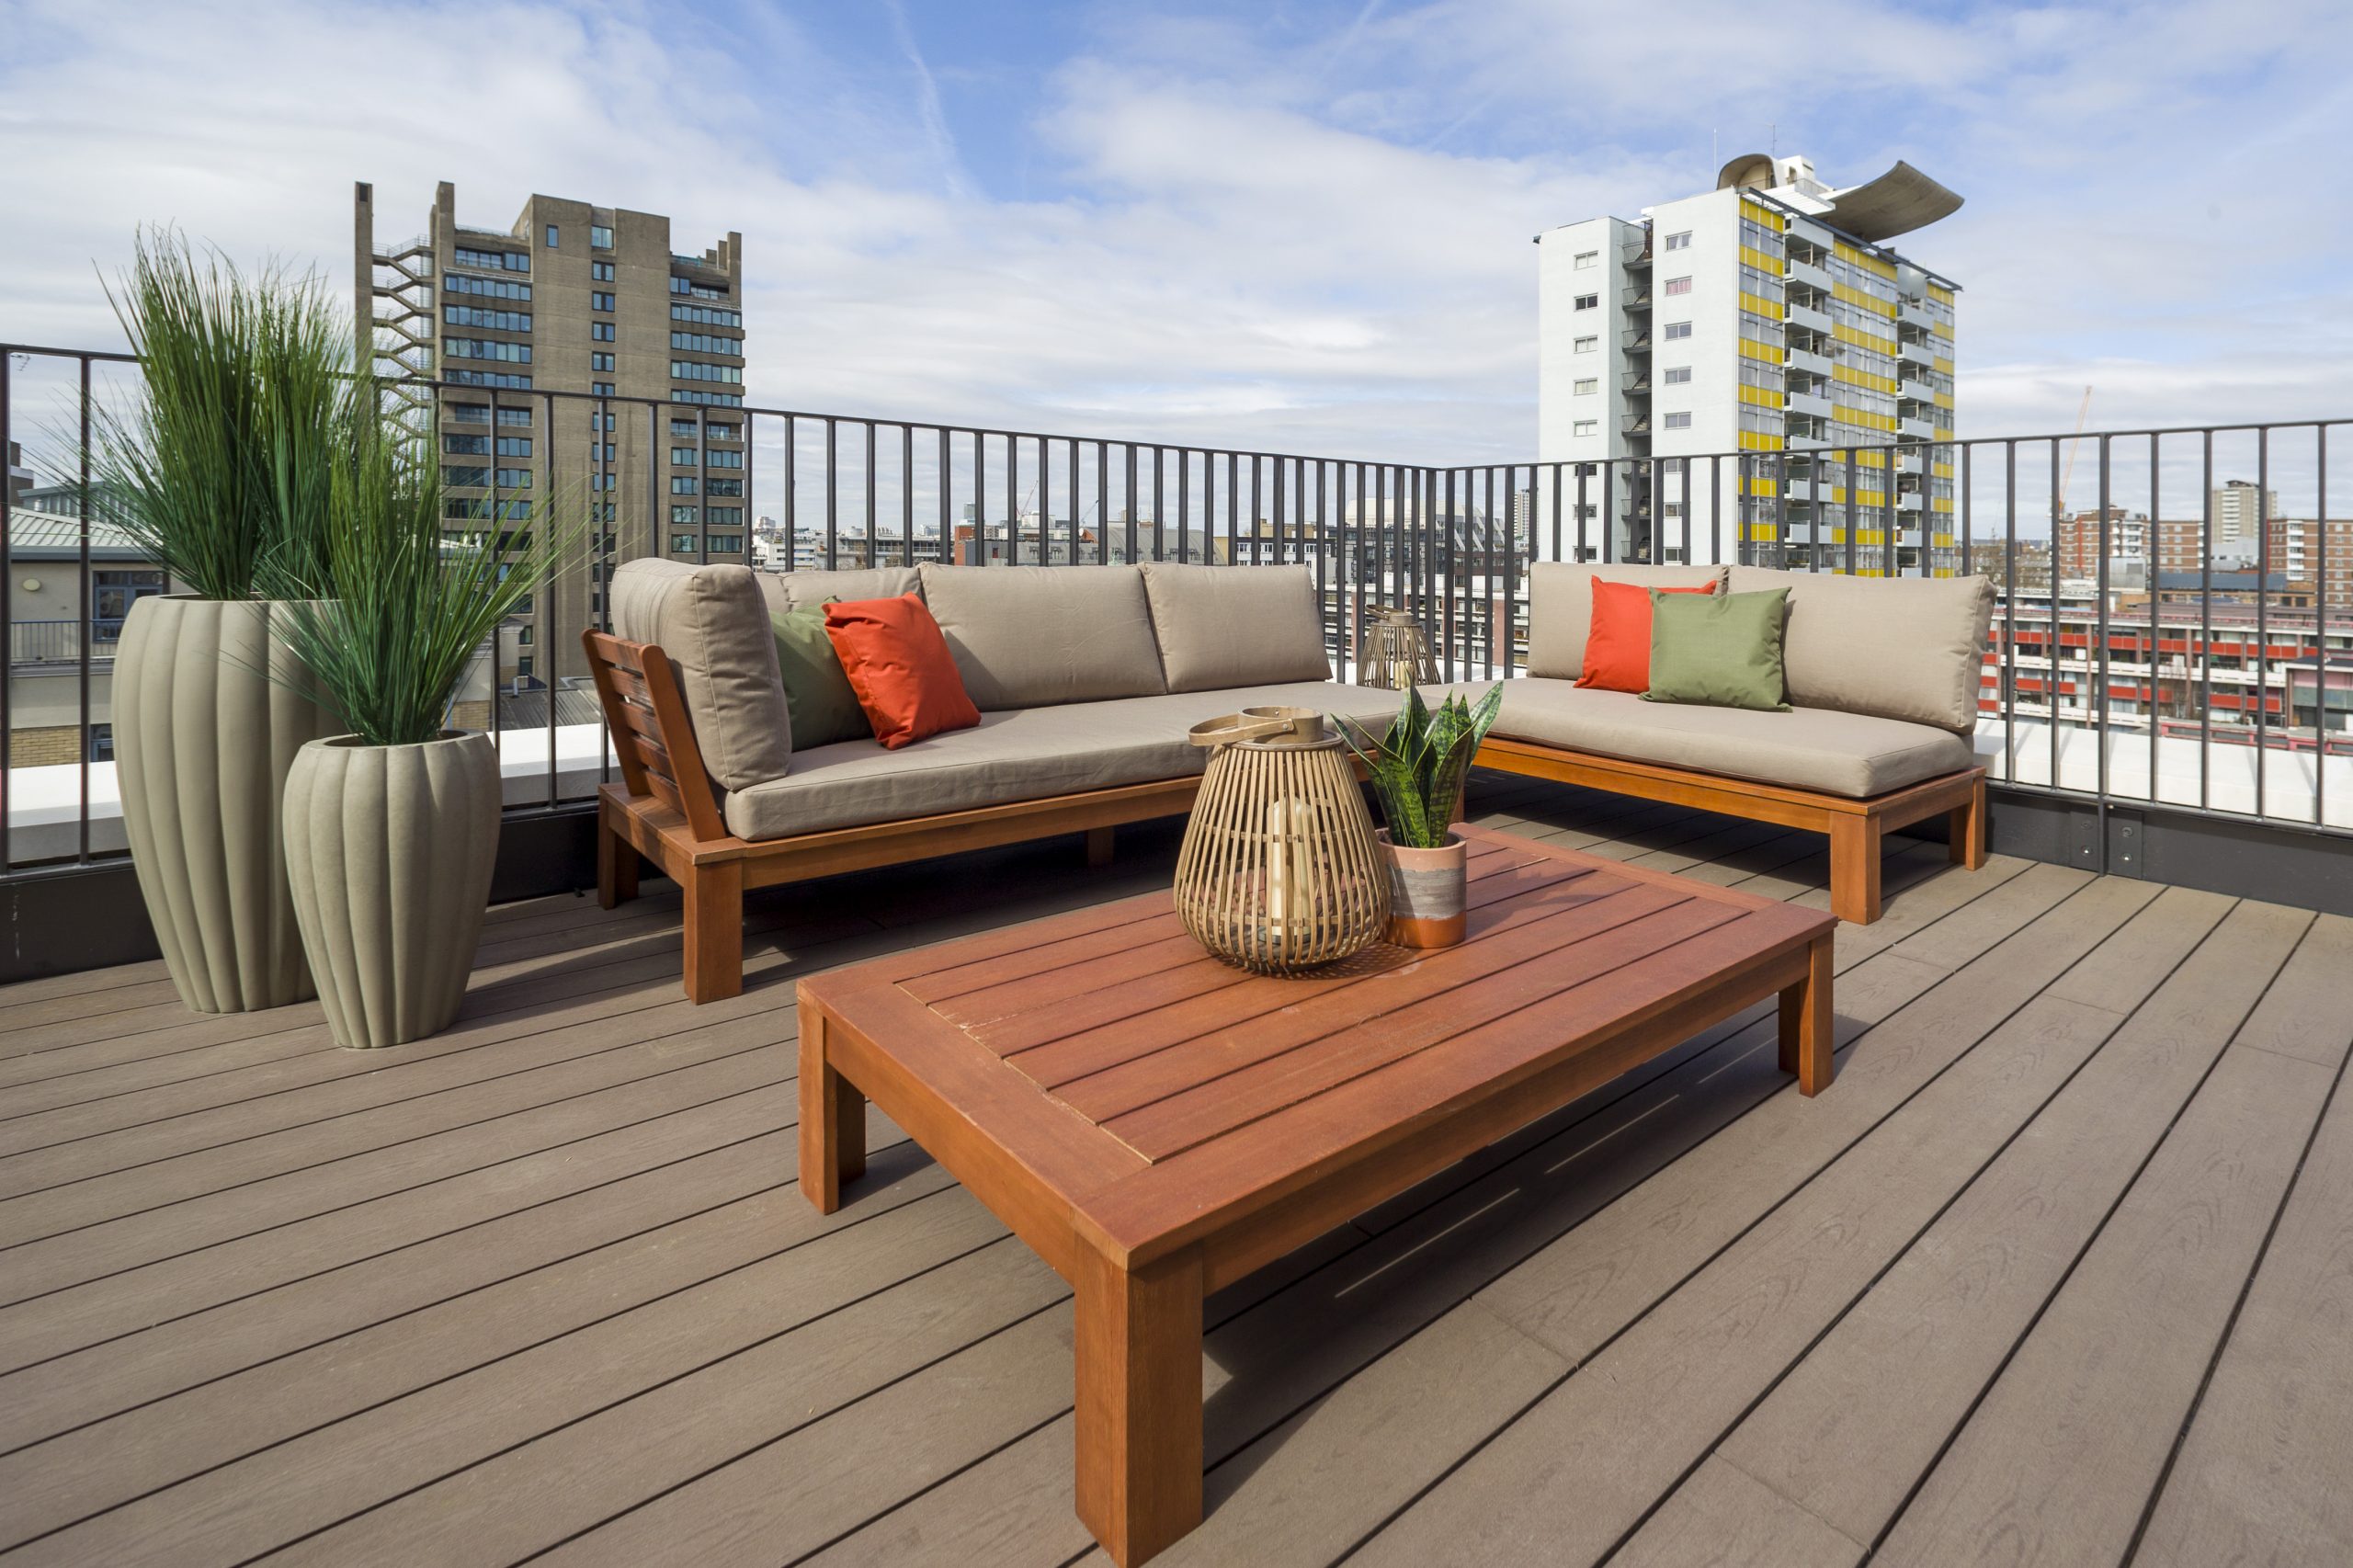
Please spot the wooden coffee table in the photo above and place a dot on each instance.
(1156, 1124)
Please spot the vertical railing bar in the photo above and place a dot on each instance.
(89, 619)
(1070, 448)
(552, 651)
(8, 621)
(2100, 716)
(2009, 689)
(2262, 610)
(1012, 500)
(906, 495)
(832, 521)
(947, 486)
(2055, 634)
(792, 483)
(2206, 629)
(2152, 553)
(702, 485)
(873, 472)
(1128, 450)
(2320, 633)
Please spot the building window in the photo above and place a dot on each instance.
(602, 421)
(732, 517)
(696, 370)
(1679, 286)
(1587, 344)
(711, 399)
(602, 388)
(552, 237)
(723, 487)
(705, 342)
(709, 316)
(488, 288)
(684, 429)
(600, 302)
(683, 543)
(684, 515)
(601, 271)
(497, 321)
(1584, 427)
(600, 362)
(1587, 259)
(1678, 374)
(487, 348)
(604, 482)
(494, 260)
(1588, 385)
(599, 236)
(1679, 242)
(1675, 329)
(600, 332)
(717, 459)
(1677, 421)
(682, 484)
(720, 433)
(466, 446)
(727, 544)
(1586, 302)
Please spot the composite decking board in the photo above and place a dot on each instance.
(2125, 1344)
(1660, 1379)
(395, 1352)
(1436, 1248)
(1723, 1515)
(2308, 1012)
(110, 1245)
(325, 1476)
(90, 1385)
(81, 1314)
(2260, 1474)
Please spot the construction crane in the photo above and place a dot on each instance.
(2067, 474)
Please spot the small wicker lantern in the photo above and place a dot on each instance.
(1279, 870)
(1395, 654)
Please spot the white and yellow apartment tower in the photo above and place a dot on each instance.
(1765, 330)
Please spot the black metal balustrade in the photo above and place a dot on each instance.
(1450, 542)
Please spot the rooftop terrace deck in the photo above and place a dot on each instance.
(2060, 1270)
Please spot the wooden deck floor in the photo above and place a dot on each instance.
(2060, 1271)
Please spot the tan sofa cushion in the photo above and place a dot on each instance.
(1234, 626)
(797, 590)
(1022, 754)
(713, 623)
(1852, 755)
(1031, 636)
(1559, 607)
(1895, 647)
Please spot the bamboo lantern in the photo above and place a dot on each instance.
(1396, 653)
(1279, 870)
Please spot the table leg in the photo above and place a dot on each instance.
(1139, 1383)
(832, 1119)
(1807, 1035)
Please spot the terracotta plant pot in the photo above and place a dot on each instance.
(389, 850)
(203, 739)
(1427, 893)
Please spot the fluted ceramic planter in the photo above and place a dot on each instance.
(1428, 893)
(203, 739)
(389, 851)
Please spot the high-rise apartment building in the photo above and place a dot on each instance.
(1765, 319)
(573, 299)
(2241, 508)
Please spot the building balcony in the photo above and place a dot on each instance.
(1636, 297)
(1813, 362)
(1799, 229)
(1634, 383)
(1913, 312)
(1808, 275)
(1808, 403)
(1638, 342)
(1807, 318)
(1918, 353)
(1635, 253)
(1637, 424)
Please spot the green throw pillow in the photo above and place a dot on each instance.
(1719, 649)
(816, 693)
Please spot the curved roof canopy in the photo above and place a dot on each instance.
(1897, 202)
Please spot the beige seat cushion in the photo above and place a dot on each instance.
(1559, 607)
(1031, 636)
(1852, 755)
(1896, 647)
(713, 623)
(1232, 626)
(1023, 754)
(786, 591)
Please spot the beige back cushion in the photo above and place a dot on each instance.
(1226, 626)
(1893, 647)
(797, 590)
(1035, 636)
(1559, 607)
(713, 623)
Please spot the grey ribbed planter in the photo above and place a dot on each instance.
(389, 850)
(202, 742)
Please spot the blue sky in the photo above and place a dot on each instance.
(1301, 226)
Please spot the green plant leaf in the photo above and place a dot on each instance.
(1418, 766)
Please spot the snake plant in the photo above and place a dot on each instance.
(1418, 766)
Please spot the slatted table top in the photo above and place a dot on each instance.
(1162, 1095)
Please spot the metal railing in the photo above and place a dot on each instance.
(2072, 705)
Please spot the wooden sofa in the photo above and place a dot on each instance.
(1088, 676)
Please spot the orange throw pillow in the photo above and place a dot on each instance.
(1618, 643)
(900, 668)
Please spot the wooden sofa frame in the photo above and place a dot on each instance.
(664, 808)
(1855, 827)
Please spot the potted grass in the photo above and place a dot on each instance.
(391, 828)
(218, 464)
(1417, 769)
